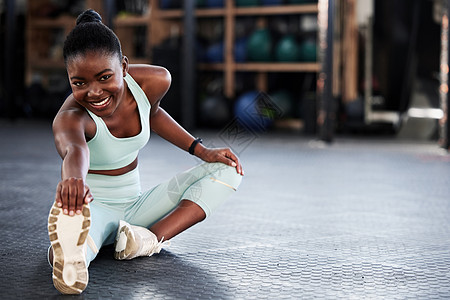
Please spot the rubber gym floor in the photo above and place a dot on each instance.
(360, 218)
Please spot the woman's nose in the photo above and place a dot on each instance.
(94, 90)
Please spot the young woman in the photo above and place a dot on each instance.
(98, 132)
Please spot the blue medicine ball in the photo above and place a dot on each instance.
(240, 50)
(250, 113)
(215, 52)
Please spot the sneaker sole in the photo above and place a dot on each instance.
(68, 235)
(125, 244)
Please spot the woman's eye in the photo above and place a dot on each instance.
(105, 77)
(78, 83)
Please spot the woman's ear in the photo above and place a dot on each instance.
(125, 66)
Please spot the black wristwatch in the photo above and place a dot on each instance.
(194, 143)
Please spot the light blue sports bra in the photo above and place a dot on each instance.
(108, 152)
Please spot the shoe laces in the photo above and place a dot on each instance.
(154, 247)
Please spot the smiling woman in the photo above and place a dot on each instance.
(96, 87)
(98, 132)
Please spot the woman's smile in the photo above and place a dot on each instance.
(102, 103)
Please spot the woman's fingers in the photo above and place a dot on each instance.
(65, 198)
(71, 194)
(226, 156)
(80, 196)
(236, 162)
(87, 196)
(223, 155)
(58, 198)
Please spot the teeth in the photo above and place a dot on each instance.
(100, 103)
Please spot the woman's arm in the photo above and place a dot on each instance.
(72, 191)
(155, 81)
(165, 126)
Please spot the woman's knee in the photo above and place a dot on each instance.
(226, 174)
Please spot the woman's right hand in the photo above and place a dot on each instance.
(71, 194)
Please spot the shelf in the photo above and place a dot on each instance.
(264, 67)
(244, 11)
(131, 20)
(169, 13)
(289, 124)
(211, 12)
(277, 10)
(202, 12)
(62, 21)
(279, 67)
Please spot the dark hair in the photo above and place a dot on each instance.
(90, 34)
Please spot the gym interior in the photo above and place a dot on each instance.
(338, 110)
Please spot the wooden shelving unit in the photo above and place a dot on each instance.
(263, 67)
(229, 13)
(158, 25)
(60, 22)
(244, 11)
(44, 54)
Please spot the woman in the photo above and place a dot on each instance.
(98, 132)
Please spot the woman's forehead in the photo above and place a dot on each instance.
(92, 59)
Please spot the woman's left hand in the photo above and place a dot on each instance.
(223, 155)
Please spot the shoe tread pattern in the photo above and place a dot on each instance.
(131, 245)
(77, 268)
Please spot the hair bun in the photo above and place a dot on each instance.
(89, 16)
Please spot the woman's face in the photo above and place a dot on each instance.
(97, 81)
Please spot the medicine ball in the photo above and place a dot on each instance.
(259, 46)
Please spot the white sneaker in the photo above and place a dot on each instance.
(68, 238)
(134, 241)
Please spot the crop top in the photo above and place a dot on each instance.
(108, 152)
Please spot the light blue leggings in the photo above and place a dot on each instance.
(120, 198)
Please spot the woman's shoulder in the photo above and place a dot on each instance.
(154, 80)
(71, 108)
(72, 114)
(143, 71)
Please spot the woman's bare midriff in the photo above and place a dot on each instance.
(116, 172)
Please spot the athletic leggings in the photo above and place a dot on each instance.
(120, 198)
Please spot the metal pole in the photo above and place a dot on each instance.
(108, 6)
(444, 132)
(326, 102)
(447, 100)
(9, 72)
(368, 59)
(188, 67)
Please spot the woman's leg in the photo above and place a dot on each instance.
(105, 219)
(185, 200)
(185, 215)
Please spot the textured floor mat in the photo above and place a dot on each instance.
(357, 219)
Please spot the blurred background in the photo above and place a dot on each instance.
(307, 67)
